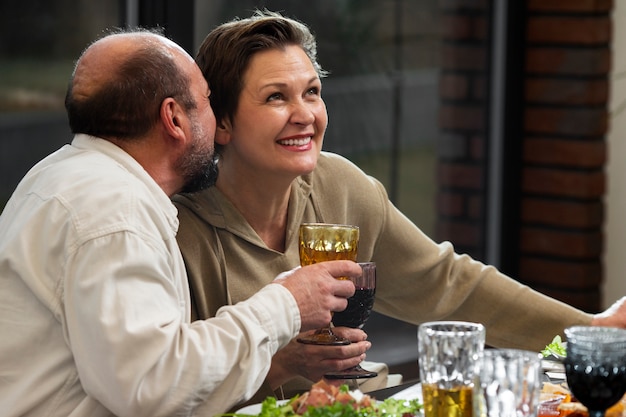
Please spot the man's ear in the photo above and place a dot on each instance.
(173, 118)
(223, 133)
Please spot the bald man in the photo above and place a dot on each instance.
(94, 300)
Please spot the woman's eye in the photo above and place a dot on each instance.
(313, 91)
(275, 96)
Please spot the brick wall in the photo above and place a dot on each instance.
(564, 151)
(564, 121)
(461, 149)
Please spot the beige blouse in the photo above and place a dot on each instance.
(418, 279)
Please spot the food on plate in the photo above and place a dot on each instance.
(557, 401)
(325, 400)
(556, 348)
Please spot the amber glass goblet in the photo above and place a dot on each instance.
(321, 242)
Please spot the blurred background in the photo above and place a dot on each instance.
(495, 125)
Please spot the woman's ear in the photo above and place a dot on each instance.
(223, 132)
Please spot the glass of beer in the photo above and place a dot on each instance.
(450, 355)
(321, 242)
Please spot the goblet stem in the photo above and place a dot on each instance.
(596, 413)
(354, 373)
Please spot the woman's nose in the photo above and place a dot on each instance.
(302, 113)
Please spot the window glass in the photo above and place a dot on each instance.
(39, 42)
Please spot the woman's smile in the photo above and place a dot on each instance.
(304, 143)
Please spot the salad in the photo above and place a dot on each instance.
(325, 400)
(556, 348)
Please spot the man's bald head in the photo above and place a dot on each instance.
(119, 83)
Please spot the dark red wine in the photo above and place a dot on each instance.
(598, 387)
(358, 310)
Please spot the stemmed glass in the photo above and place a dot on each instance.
(321, 242)
(595, 366)
(356, 314)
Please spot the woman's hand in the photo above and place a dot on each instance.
(614, 316)
(313, 361)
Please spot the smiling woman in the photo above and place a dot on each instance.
(280, 120)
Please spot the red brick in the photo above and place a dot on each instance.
(567, 244)
(463, 57)
(475, 205)
(479, 87)
(570, 6)
(463, 27)
(562, 183)
(566, 91)
(454, 86)
(460, 233)
(458, 175)
(461, 117)
(588, 300)
(569, 30)
(463, 5)
(564, 152)
(567, 121)
(477, 147)
(568, 61)
(563, 213)
(450, 204)
(562, 274)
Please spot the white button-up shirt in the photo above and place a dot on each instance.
(94, 300)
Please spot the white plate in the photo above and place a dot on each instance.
(256, 408)
(410, 393)
(552, 366)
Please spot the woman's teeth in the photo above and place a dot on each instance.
(295, 142)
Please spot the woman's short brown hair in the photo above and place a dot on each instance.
(225, 53)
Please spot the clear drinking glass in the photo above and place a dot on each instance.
(595, 366)
(450, 354)
(321, 242)
(510, 383)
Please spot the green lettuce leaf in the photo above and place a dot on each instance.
(555, 348)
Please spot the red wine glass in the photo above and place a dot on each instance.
(356, 314)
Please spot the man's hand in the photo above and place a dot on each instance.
(317, 290)
(313, 361)
(614, 316)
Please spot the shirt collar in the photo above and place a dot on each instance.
(87, 142)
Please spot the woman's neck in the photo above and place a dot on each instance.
(264, 206)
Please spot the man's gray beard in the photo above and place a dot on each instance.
(203, 178)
